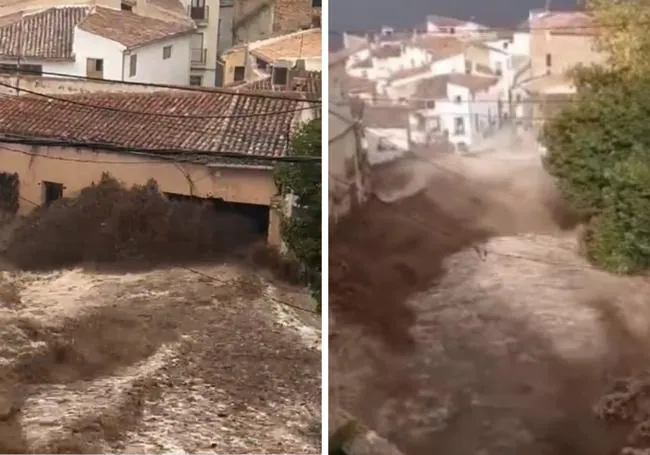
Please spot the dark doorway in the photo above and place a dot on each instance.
(52, 191)
(9, 193)
(257, 215)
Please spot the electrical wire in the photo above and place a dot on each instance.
(159, 114)
(223, 91)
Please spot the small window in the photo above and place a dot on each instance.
(196, 81)
(133, 65)
(458, 99)
(261, 64)
(280, 76)
(364, 74)
(52, 191)
(431, 104)
(167, 52)
(240, 72)
(459, 126)
(452, 31)
(125, 7)
(316, 3)
(468, 67)
(548, 60)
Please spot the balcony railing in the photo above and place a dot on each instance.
(199, 56)
(199, 14)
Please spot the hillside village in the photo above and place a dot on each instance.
(457, 82)
(147, 134)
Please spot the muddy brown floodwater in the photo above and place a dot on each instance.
(160, 361)
(465, 322)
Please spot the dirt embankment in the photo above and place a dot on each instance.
(464, 319)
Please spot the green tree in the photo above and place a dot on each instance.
(598, 148)
(301, 231)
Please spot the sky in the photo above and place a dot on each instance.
(372, 14)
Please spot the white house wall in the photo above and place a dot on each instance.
(455, 64)
(521, 44)
(86, 45)
(152, 68)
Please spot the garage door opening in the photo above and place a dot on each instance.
(253, 217)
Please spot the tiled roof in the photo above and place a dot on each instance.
(385, 116)
(250, 136)
(472, 82)
(440, 47)
(432, 88)
(129, 29)
(410, 72)
(565, 23)
(305, 44)
(309, 83)
(45, 35)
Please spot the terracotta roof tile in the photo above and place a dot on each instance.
(129, 29)
(375, 116)
(440, 47)
(250, 136)
(386, 51)
(432, 88)
(565, 23)
(306, 44)
(410, 72)
(46, 34)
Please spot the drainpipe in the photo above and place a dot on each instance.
(123, 59)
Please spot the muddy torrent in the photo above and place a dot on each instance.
(465, 319)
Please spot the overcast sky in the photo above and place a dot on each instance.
(370, 14)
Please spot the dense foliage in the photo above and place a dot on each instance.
(598, 148)
(301, 231)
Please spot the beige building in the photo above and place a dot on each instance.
(183, 142)
(255, 60)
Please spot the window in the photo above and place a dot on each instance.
(459, 126)
(12, 68)
(280, 76)
(316, 3)
(499, 68)
(452, 31)
(95, 67)
(458, 99)
(548, 60)
(126, 7)
(133, 65)
(431, 104)
(364, 74)
(240, 72)
(468, 67)
(167, 52)
(261, 64)
(196, 81)
(51, 192)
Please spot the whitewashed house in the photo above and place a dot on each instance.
(97, 42)
(442, 25)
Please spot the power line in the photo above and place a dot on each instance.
(160, 154)
(223, 91)
(158, 114)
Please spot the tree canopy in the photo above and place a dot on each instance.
(301, 231)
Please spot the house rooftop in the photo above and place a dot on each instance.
(432, 88)
(410, 72)
(385, 117)
(306, 44)
(440, 47)
(47, 34)
(308, 83)
(116, 119)
(472, 82)
(129, 29)
(564, 23)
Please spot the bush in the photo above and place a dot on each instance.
(598, 150)
(108, 223)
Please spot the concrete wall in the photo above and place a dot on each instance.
(60, 85)
(210, 32)
(77, 168)
(566, 51)
(87, 45)
(348, 183)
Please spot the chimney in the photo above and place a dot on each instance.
(280, 74)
